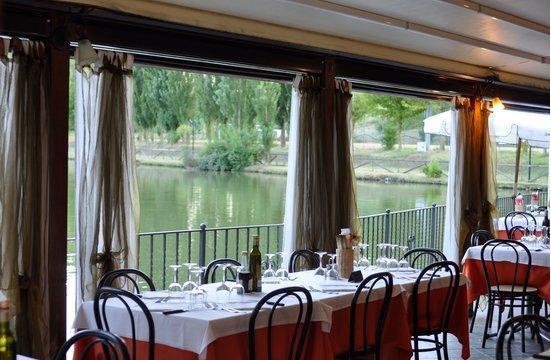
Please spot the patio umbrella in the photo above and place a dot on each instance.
(510, 127)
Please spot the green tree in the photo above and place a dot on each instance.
(266, 112)
(144, 103)
(360, 107)
(207, 108)
(72, 89)
(283, 110)
(234, 99)
(394, 115)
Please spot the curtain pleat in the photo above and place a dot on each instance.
(472, 187)
(24, 77)
(106, 185)
(325, 198)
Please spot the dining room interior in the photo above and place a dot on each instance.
(274, 179)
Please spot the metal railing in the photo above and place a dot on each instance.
(421, 227)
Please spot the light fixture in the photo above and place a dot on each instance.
(87, 55)
(497, 104)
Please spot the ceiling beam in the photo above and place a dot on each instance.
(419, 28)
(501, 15)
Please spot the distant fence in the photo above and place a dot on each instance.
(421, 227)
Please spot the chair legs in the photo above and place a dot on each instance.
(474, 314)
(437, 348)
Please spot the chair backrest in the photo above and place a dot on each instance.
(111, 346)
(431, 314)
(422, 257)
(128, 276)
(516, 232)
(490, 265)
(479, 237)
(128, 300)
(522, 218)
(301, 325)
(535, 322)
(369, 284)
(308, 256)
(210, 273)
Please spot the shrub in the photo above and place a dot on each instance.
(433, 170)
(235, 150)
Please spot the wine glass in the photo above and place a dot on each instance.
(237, 290)
(382, 259)
(332, 273)
(269, 273)
(223, 290)
(198, 292)
(282, 272)
(364, 261)
(320, 270)
(403, 263)
(392, 263)
(174, 288)
(189, 284)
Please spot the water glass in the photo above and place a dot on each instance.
(332, 273)
(198, 295)
(237, 290)
(403, 263)
(189, 284)
(364, 261)
(174, 288)
(282, 273)
(269, 273)
(320, 270)
(392, 262)
(223, 290)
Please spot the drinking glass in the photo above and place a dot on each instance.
(237, 290)
(364, 261)
(392, 263)
(174, 288)
(282, 272)
(544, 239)
(223, 290)
(332, 273)
(382, 259)
(189, 284)
(320, 270)
(269, 273)
(198, 295)
(403, 263)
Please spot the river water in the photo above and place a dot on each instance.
(172, 198)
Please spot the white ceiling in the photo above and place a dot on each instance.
(514, 50)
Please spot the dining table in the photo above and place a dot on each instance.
(519, 221)
(505, 262)
(218, 328)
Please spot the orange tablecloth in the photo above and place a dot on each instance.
(320, 345)
(502, 234)
(472, 268)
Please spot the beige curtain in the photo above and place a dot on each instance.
(471, 179)
(325, 195)
(24, 77)
(107, 202)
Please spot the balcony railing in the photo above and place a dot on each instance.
(421, 227)
(507, 203)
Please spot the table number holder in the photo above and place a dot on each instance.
(345, 253)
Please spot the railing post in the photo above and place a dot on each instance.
(202, 244)
(433, 226)
(387, 226)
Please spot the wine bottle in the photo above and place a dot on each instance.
(255, 261)
(546, 222)
(7, 340)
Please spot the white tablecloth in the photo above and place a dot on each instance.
(519, 221)
(195, 330)
(502, 253)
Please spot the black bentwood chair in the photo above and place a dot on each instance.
(210, 272)
(526, 217)
(128, 300)
(478, 237)
(502, 288)
(112, 346)
(424, 325)
(368, 284)
(301, 327)
(516, 232)
(128, 276)
(310, 258)
(512, 325)
(423, 257)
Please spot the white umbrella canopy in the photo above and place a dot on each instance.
(509, 126)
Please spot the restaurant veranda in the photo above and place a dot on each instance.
(325, 284)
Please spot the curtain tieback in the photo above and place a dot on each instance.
(106, 260)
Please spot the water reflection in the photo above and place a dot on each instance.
(173, 199)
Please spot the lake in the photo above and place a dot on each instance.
(173, 198)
